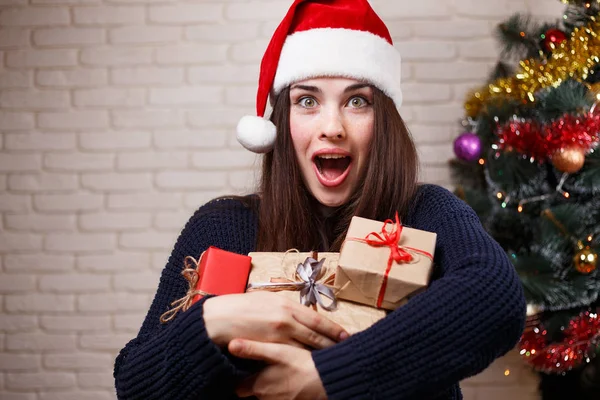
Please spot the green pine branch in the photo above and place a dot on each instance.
(514, 231)
(579, 13)
(516, 175)
(519, 38)
(552, 294)
(467, 174)
(500, 71)
(588, 179)
(570, 96)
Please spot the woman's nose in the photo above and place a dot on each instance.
(332, 125)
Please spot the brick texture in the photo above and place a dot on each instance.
(117, 120)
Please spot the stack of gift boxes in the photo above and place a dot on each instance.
(379, 267)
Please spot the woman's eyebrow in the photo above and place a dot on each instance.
(356, 86)
(315, 89)
(307, 88)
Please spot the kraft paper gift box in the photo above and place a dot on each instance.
(273, 268)
(365, 257)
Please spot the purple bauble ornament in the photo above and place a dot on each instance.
(467, 147)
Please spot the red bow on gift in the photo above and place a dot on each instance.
(398, 253)
(391, 240)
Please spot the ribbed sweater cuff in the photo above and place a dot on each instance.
(341, 372)
(199, 349)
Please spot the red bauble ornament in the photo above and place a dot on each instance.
(554, 37)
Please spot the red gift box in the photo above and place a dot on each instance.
(222, 272)
(218, 272)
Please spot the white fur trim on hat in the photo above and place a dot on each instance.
(256, 134)
(340, 52)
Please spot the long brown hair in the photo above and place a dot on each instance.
(289, 216)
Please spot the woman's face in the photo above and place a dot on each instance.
(331, 123)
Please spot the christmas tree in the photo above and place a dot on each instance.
(529, 164)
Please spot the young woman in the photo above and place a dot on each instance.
(335, 147)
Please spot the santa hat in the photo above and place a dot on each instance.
(338, 38)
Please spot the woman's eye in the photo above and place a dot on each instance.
(357, 102)
(307, 102)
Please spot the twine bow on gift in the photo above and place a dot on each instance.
(400, 254)
(192, 276)
(311, 290)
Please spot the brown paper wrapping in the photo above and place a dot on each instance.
(353, 317)
(361, 268)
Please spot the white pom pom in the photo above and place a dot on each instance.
(256, 134)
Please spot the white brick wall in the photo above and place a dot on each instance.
(117, 121)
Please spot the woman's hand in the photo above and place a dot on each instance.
(268, 317)
(290, 375)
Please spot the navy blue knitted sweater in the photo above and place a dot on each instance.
(472, 313)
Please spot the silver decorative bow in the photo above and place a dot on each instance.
(310, 289)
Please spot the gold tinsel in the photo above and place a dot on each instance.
(574, 58)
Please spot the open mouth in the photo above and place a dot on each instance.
(332, 169)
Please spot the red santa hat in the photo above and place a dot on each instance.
(337, 38)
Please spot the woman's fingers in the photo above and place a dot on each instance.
(269, 317)
(319, 324)
(297, 344)
(311, 338)
(271, 353)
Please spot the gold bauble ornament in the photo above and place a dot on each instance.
(585, 260)
(569, 160)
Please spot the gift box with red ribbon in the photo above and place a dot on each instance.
(217, 272)
(383, 263)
